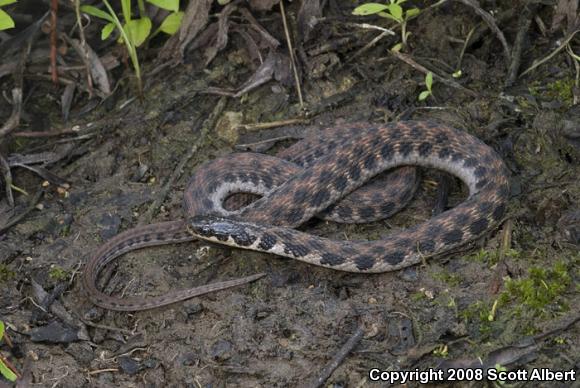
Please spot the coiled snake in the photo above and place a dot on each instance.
(318, 173)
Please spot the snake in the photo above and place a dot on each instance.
(325, 176)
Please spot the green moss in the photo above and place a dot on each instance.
(540, 292)
(491, 257)
(451, 279)
(58, 273)
(5, 273)
(561, 90)
(524, 301)
(479, 310)
(418, 296)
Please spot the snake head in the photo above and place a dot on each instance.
(210, 227)
(221, 230)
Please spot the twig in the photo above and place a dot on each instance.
(564, 324)
(53, 33)
(14, 118)
(84, 47)
(272, 124)
(337, 359)
(291, 52)
(369, 45)
(371, 27)
(524, 22)
(563, 45)
(465, 44)
(7, 175)
(411, 62)
(487, 18)
(75, 129)
(96, 372)
(502, 268)
(18, 218)
(206, 126)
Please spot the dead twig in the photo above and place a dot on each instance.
(337, 359)
(77, 6)
(291, 52)
(14, 118)
(501, 269)
(562, 46)
(75, 129)
(411, 62)
(31, 206)
(490, 21)
(272, 124)
(7, 175)
(369, 45)
(367, 26)
(53, 36)
(524, 22)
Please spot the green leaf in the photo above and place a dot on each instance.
(396, 48)
(396, 11)
(457, 74)
(424, 94)
(412, 12)
(138, 30)
(126, 8)
(1, 330)
(106, 31)
(7, 372)
(369, 9)
(170, 5)
(171, 23)
(388, 16)
(6, 2)
(6, 21)
(94, 11)
(429, 80)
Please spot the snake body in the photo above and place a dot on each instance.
(311, 183)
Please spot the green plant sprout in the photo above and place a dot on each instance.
(5, 370)
(428, 84)
(394, 11)
(134, 32)
(500, 368)
(441, 351)
(6, 21)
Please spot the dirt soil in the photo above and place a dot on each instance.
(508, 300)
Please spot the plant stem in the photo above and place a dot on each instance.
(141, 5)
(130, 47)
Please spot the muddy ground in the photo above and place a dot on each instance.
(509, 300)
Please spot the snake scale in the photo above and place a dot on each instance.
(322, 176)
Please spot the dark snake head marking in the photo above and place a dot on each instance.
(221, 229)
